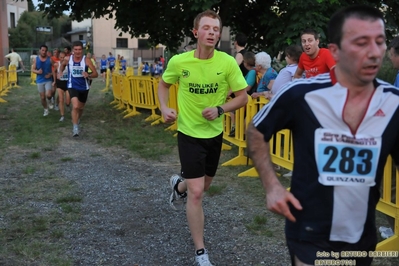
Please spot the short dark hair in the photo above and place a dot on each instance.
(294, 52)
(43, 46)
(336, 23)
(249, 58)
(395, 45)
(241, 39)
(68, 48)
(311, 32)
(77, 43)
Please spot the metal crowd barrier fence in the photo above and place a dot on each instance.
(12, 77)
(32, 78)
(107, 80)
(3, 84)
(132, 92)
(172, 103)
(389, 204)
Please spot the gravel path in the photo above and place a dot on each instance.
(127, 220)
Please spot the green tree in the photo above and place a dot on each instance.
(31, 6)
(270, 24)
(25, 35)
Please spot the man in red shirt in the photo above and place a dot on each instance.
(314, 60)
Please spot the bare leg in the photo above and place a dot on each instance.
(61, 101)
(194, 210)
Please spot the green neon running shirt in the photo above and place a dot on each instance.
(202, 83)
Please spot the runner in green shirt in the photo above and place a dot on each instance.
(205, 76)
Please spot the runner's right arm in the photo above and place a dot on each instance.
(277, 196)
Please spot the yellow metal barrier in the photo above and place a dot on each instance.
(12, 77)
(389, 204)
(172, 103)
(242, 117)
(107, 80)
(3, 84)
(239, 137)
(117, 90)
(139, 70)
(280, 153)
(142, 95)
(129, 71)
(32, 78)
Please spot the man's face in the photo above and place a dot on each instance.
(56, 53)
(310, 45)
(362, 50)
(208, 31)
(77, 51)
(43, 52)
(394, 58)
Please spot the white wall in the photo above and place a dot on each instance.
(17, 8)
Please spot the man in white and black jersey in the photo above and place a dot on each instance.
(78, 81)
(344, 126)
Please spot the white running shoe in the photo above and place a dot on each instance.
(56, 108)
(176, 200)
(75, 132)
(386, 232)
(202, 260)
(50, 105)
(45, 113)
(62, 119)
(289, 174)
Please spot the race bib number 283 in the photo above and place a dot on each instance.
(346, 160)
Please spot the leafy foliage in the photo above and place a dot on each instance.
(24, 35)
(270, 24)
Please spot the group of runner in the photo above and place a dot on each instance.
(69, 73)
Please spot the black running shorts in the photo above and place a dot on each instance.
(199, 157)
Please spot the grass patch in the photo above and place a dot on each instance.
(69, 199)
(258, 226)
(66, 159)
(134, 189)
(215, 190)
(35, 155)
(29, 170)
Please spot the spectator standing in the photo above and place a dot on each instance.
(145, 71)
(15, 60)
(286, 74)
(239, 45)
(162, 59)
(314, 60)
(263, 65)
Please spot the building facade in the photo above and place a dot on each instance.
(10, 12)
